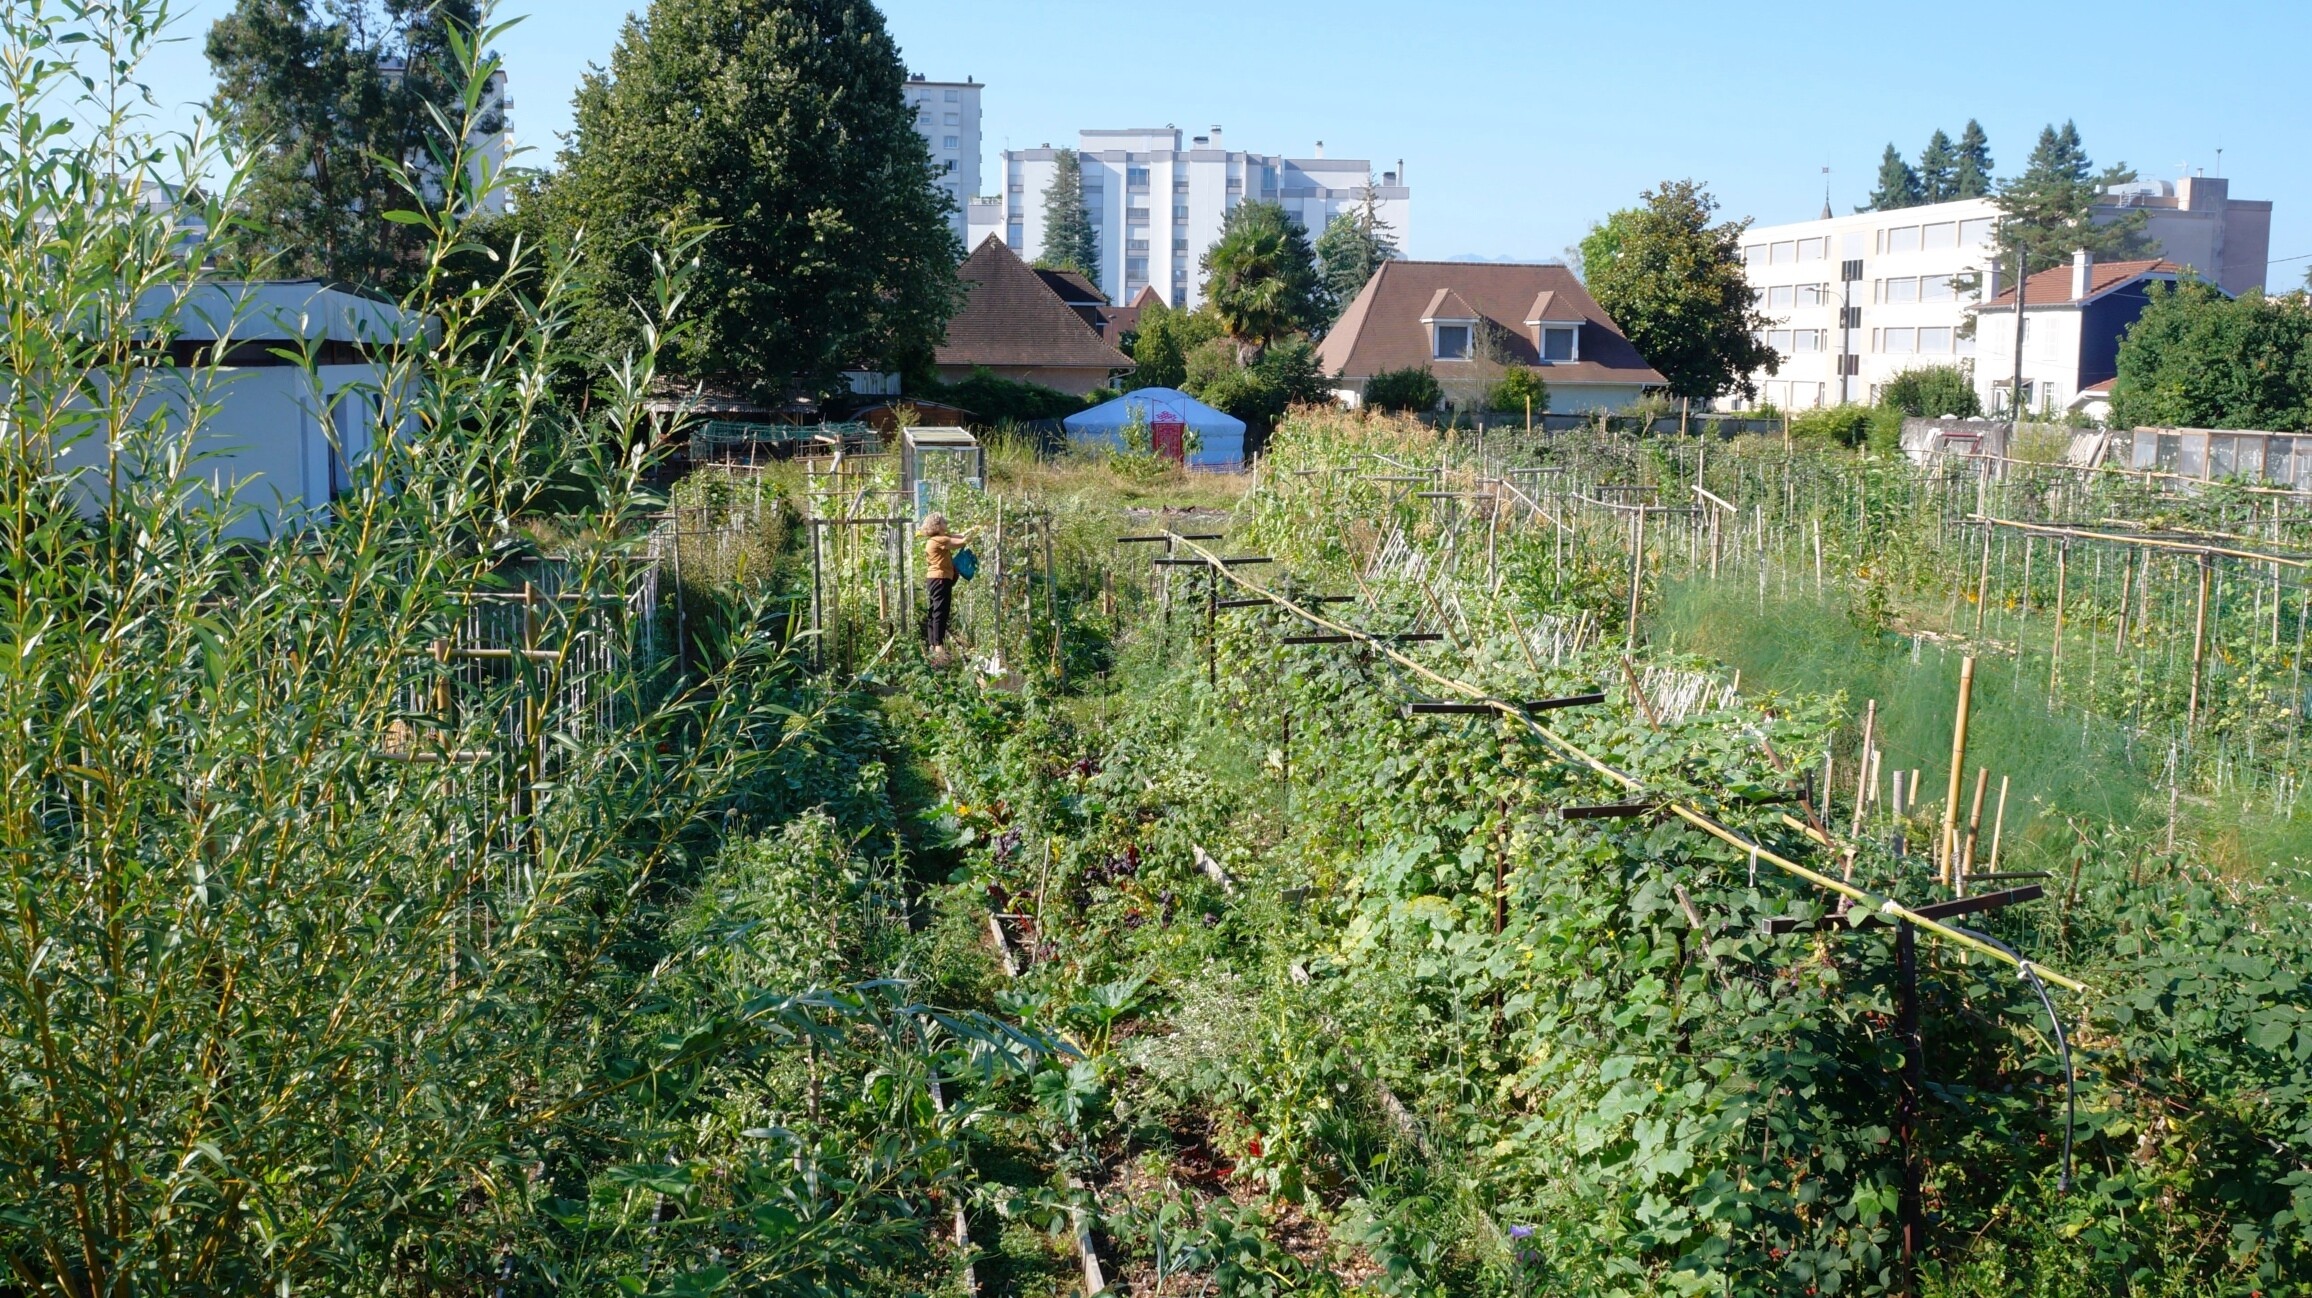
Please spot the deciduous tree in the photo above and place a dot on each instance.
(782, 124)
(1675, 285)
(2198, 359)
(331, 97)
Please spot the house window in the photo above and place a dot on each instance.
(1452, 342)
(1557, 344)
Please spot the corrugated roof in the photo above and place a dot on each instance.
(1383, 330)
(2053, 287)
(1010, 316)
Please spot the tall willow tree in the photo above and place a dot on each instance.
(781, 126)
(329, 952)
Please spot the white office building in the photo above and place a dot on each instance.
(947, 116)
(1157, 206)
(1856, 300)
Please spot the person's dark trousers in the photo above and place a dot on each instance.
(942, 591)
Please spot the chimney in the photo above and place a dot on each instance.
(1216, 142)
(1320, 148)
(1401, 172)
(1994, 280)
(2082, 273)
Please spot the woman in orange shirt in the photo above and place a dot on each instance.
(939, 551)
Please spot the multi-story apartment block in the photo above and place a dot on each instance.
(1856, 300)
(947, 116)
(1157, 206)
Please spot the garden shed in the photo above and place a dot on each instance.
(1169, 416)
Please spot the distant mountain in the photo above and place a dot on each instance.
(1522, 261)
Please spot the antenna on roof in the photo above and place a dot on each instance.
(1826, 193)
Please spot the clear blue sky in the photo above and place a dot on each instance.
(1521, 122)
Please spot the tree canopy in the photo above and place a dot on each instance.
(1352, 247)
(2050, 206)
(1261, 278)
(2198, 359)
(1675, 284)
(1603, 242)
(1972, 176)
(331, 98)
(1938, 169)
(1164, 341)
(1069, 242)
(1898, 185)
(782, 125)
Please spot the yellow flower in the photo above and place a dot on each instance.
(962, 810)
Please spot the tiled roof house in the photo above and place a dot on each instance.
(1469, 321)
(2075, 316)
(1016, 323)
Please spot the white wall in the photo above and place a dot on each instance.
(264, 443)
(945, 111)
(2051, 347)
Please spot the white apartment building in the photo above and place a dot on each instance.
(947, 116)
(1157, 206)
(1856, 300)
(490, 150)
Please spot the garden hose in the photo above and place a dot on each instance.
(2062, 1046)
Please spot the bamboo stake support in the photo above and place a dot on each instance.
(1998, 823)
(1863, 771)
(1637, 578)
(1693, 816)
(2062, 584)
(1949, 842)
(1974, 828)
(2199, 644)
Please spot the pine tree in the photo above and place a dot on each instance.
(1898, 185)
(331, 100)
(1070, 243)
(783, 123)
(1973, 178)
(1938, 170)
(2050, 207)
(1353, 246)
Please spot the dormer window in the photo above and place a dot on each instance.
(1557, 342)
(1452, 341)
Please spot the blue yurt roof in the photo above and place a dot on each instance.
(1221, 433)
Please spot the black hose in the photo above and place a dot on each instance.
(2062, 1045)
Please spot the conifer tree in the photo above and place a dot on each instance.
(1069, 240)
(2050, 207)
(1898, 185)
(1972, 179)
(1938, 170)
(1353, 246)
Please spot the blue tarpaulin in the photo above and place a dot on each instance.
(1219, 435)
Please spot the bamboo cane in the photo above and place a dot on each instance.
(1974, 828)
(1948, 843)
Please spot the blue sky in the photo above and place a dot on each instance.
(1520, 123)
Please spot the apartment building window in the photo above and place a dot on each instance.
(1939, 234)
(1898, 342)
(1935, 341)
(1781, 295)
(1902, 238)
(1812, 294)
(1557, 344)
(1179, 247)
(1012, 236)
(948, 142)
(1180, 211)
(1136, 178)
(1136, 268)
(1782, 253)
(953, 119)
(947, 166)
(1452, 342)
(1935, 288)
(1975, 231)
(951, 96)
(1806, 340)
(1754, 255)
(1779, 340)
(1136, 245)
(1896, 291)
(1813, 249)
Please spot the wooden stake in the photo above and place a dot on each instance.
(1974, 828)
(1637, 578)
(1948, 844)
(1998, 824)
(2199, 644)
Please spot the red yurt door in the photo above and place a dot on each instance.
(1169, 437)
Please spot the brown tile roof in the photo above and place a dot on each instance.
(1010, 316)
(1382, 328)
(2053, 287)
(1073, 288)
(1122, 320)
